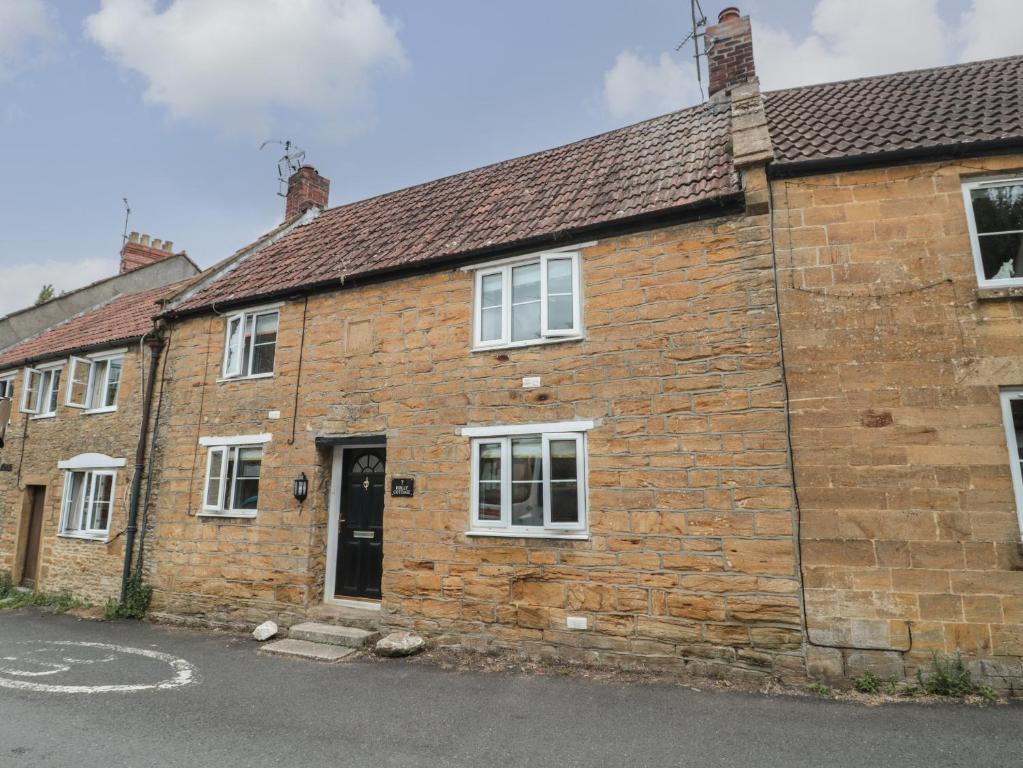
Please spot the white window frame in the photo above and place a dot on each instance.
(45, 373)
(504, 437)
(7, 382)
(978, 262)
(1007, 396)
(86, 514)
(224, 506)
(91, 380)
(235, 372)
(547, 335)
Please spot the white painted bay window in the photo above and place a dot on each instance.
(94, 382)
(39, 390)
(994, 211)
(88, 503)
(529, 480)
(233, 467)
(529, 301)
(250, 344)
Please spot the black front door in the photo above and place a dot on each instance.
(360, 546)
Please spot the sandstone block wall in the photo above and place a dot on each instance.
(691, 554)
(909, 536)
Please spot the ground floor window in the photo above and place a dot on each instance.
(1012, 414)
(232, 480)
(529, 483)
(88, 503)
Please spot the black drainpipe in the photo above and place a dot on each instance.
(155, 345)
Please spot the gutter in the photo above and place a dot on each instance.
(718, 206)
(155, 345)
(895, 157)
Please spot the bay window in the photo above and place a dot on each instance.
(529, 301)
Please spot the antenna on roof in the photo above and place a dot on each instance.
(290, 161)
(699, 19)
(127, 213)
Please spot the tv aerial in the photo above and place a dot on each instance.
(292, 159)
(699, 19)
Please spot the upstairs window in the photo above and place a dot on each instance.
(529, 483)
(232, 480)
(528, 302)
(93, 383)
(994, 210)
(39, 392)
(250, 344)
(88, 503)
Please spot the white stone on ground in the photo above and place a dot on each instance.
(265, 631)
(400, 644)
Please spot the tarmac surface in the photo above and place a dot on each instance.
(90, 694)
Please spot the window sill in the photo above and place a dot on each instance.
(38, 416)
(529, 343)
(225, 380)
(227, 515)
(1000, 292)
(90, 411)
(504, 534)
(103, 537)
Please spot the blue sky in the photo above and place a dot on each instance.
(166, 102)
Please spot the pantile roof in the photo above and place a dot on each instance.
(673, 161)
(122, 319)
(927, 109)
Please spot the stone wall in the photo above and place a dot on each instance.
(691, 554)
(88, 569)
(910, 543)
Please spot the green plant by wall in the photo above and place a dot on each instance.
(867, 683)
(136, 602)
(950, 677)
(818, 688)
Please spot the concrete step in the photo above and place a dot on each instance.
(346, 616)
(303, 649)
(332, 634)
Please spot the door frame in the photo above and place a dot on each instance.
(333, 526)
(21, 553)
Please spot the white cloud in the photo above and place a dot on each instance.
(991, 28)
(235, 63)
(852, 39)
(26, 30)
(639, 86)
(22, 282)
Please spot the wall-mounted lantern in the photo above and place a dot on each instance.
(301, 487)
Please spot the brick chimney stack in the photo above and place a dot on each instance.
(139, 251)
(306, 188)
(729, 46)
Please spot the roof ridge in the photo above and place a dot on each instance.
(703, 105)
(890, 75)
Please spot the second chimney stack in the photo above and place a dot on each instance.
(306, 188)
(729, 45)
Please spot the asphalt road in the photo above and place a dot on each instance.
(84, 694)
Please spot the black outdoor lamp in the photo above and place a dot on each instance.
(301, 487)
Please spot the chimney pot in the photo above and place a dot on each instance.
(168, 245)
(731, 13)
(145, 240)
(306, 188)
(158, 244)
(133, 237)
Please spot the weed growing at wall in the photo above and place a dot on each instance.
(950, 677)
(136, 602)
(11, 597)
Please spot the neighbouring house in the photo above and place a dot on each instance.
(69, 454)
(898, 225)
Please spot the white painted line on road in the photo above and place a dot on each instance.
(184, 672)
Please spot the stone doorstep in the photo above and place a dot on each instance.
(332, 634)
(303, 649)
(363, 618)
